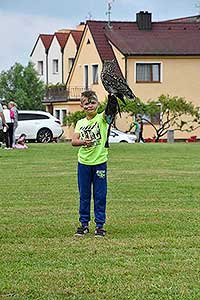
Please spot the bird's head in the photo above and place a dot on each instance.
(109, 64)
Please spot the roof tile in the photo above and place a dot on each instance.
(62, 38)
(46, 40)
(165, 38)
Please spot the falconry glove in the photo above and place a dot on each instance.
(111, 109)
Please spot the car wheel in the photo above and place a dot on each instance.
(44, 135)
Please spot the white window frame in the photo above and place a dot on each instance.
(149, 62)
(61, 113)
(55, 66)
(93, 81)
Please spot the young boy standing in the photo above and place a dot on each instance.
(91, 134)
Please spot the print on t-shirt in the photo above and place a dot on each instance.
(91, 132)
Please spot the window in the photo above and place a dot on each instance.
(86, 79)
(94, 74)
(64, 113)
(70, 63)
(31, 116)
(60, 114)
(57, 114)
(55, 66)
(40, 67)
(148, 72)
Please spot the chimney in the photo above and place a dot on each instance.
(81, 26)
(143, 20)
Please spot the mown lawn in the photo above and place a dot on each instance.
(152, 247)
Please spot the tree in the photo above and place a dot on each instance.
(174, 112)
(22, 85)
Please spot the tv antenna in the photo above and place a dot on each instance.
(89, 16)
(197, 5)
(108, 13)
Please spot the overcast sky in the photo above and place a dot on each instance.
(21, 21)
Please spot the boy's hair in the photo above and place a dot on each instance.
(89, 94)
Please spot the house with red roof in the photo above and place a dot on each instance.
(154, 57)
(61, 55)
(39, 55)
(56, 58)
(53, 55)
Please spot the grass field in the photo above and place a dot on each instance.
(152, 247)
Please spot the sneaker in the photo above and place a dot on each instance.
(99, 232)
(81, 231)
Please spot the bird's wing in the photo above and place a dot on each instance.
(116, 84)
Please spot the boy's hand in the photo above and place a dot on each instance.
(88, 143)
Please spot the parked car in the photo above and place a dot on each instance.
(38, 125)
(117, 136)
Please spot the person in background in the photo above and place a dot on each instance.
(137, 129)
(2, 123)
(21, 142)
(141, 139)
(9, 132)
(14, 118)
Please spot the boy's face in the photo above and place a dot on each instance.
(89, 105)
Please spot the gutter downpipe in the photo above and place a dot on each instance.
(62, 51)
(126, 67)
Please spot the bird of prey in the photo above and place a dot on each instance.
(113, 83)
(117, 88)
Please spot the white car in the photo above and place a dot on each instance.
(117, 136)
(38, 125)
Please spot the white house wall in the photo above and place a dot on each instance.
(39, 55)
(55, 53)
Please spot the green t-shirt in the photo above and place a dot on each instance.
(96, 130)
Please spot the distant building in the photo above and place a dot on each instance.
(53, 55)
(39, 56)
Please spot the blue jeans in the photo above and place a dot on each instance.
(95, 176)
